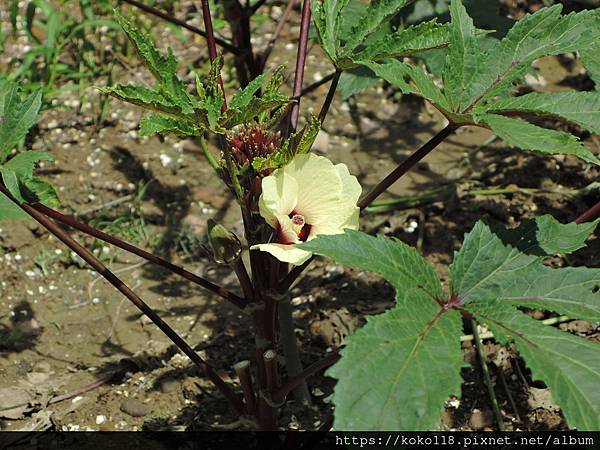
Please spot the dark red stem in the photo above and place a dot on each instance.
(243, 372)
(246, 284)
(97, 265)
(163, 15)
(330, 95)
(239, 23)
(292, 276)
(311, 87)
(281, 393)
(72, 222)
(212, 45)
(300, 63)
(590, 214)
(406, 165)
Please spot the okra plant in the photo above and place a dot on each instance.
(399, 369)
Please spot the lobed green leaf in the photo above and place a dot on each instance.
(156, 123)
(543, 33)
(579, 108)
(406, 41)
(163, 68)
(10, 211)
(399, 369)
(524, 135)
(590, 56)
(328, 19)
(463, 56)
(147, 98)
(377, 12)
(355, 80)
(389, 375)
(410, 79)
(496, 264)
(395, 261)
(17, 116)
(569, 365)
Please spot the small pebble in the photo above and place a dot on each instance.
(134, 408)
(479, 420)
(168, 386)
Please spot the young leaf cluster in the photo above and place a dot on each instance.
(17, 116)
(175, 110)
(477, 83)
(398, 370)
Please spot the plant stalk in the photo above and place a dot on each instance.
(311, 87)
(239, 22)
(72, 222)
(590, 214)
(406, 165)
(330, 95)
(242, 369)
(300, 63)
(289, 344)
(264, 339)
(292, 276)
(270, 360)
(99, 267)
(242, 274)
(212, 45)
(281, 393)
(163, 15)
(486, 377)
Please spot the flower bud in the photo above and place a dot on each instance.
(225, 245)
(253, 141)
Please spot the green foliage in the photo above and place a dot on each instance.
(478, 77)
(579, 108)
(590, 57)
(59, 47)
(349, 31)
(397, 371)
(421, 31)
(18, 116)
(522, 134)
(181, 112)
(298, 143)
(247, 106)
(156, 123)
(355, 80)
(407, 41)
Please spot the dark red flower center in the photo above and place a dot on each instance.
(301, 228)
(300, 225)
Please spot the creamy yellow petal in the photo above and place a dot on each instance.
(345, 214)
(351, 189)
(345, 218)
(279, 196)
(285, 253)
(319, 186)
